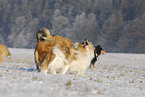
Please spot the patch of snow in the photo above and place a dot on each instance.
(115, 75)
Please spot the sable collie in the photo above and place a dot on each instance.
(79, 59)
(44, 48)
(97, 52)
(4, 52)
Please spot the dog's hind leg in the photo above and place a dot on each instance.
(92, 66)
(64, 69)
(1, 59)
(2, 55)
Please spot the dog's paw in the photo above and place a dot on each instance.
(44, 71)
(52, 71)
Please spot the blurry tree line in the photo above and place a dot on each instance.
(117, 25)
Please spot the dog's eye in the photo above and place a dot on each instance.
(42, 39)
(44, 35)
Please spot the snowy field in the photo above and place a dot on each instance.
(115, 75)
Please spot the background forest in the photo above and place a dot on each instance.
(117, 25)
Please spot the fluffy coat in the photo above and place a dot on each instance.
(4, 52)
(79, 61)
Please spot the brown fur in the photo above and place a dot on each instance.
(43, 51)
(4, 52)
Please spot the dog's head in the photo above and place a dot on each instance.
(42, 34)
(86, 45)
(99, 50)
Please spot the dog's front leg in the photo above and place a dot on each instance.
(44, 67)
(81, 72)
(53, 71)
(64, 69)
(36, 55)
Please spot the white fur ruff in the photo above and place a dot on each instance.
(58, 61)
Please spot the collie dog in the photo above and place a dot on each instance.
(44, 48)
(4, 52)
(78, 60)
(97, 52)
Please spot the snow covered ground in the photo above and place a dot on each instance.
(115, 75)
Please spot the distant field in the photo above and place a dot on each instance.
(115, 75)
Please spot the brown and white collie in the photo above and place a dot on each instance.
(78, 60)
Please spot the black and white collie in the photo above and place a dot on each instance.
(97, 52)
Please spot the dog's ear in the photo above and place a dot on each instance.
(38, 35)
(85, 43)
